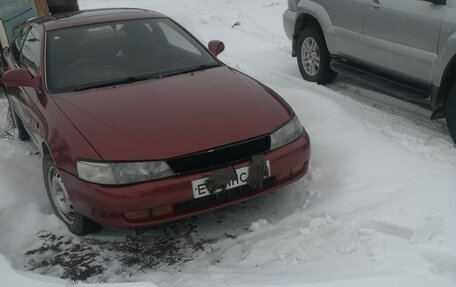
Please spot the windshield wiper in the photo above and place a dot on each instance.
(111, 83)
(188, 70)
(143, 78)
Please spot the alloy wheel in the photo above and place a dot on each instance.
(310, 55)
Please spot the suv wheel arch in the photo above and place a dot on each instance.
(303, 20)
(448, 79)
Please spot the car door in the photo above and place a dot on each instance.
(30, 58)
(402, 36)
(347, 18)
(12, 62)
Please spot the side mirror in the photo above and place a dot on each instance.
(20, 78)
(216, 47)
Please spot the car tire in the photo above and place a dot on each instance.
(451, 112)
(61, 202)
(2, 87)
(21, 131)
(313, 57)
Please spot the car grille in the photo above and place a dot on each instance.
(221, 156)
(218, 198)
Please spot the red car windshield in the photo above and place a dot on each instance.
(113, 53)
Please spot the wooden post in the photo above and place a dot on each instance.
(42, 7)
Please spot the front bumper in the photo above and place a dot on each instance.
(108, 205)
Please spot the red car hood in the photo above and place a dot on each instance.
(168, 117)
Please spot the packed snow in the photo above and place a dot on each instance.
(377, 207)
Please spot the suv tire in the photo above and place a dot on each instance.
(451, 112)
(313, 57)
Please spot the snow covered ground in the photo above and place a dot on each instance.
(376, 209)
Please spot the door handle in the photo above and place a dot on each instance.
(375, 4)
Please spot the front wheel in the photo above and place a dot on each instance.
(314, 58)
(451, 112)
(61, 202)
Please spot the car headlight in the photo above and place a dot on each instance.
(122, 173)
(286, 134)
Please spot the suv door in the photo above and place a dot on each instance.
(402, 36)
(347, 17)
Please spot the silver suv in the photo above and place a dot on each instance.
(406, 48)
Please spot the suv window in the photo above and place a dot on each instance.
(18, 42)
(30, 56)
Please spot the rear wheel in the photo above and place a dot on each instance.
(314, 57)
(2, 87)
(61, 202)
(451, 112)
(21, 131)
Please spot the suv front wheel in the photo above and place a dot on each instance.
(314, 57)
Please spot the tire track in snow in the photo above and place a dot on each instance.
(320, 236)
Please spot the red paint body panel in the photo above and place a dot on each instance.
(169, 117)
(107, 204)
(45, 122)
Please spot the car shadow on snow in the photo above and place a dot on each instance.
(124, 253)
(96, 256)
(121, 252)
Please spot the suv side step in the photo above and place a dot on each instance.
(409, 91)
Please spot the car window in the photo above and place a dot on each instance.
(18, 42)
(85, 56)
(176, 39)
(30, 55)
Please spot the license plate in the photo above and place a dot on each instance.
(199, 185)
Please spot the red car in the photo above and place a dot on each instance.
(139, 124)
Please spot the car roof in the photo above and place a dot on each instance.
(87, 17)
